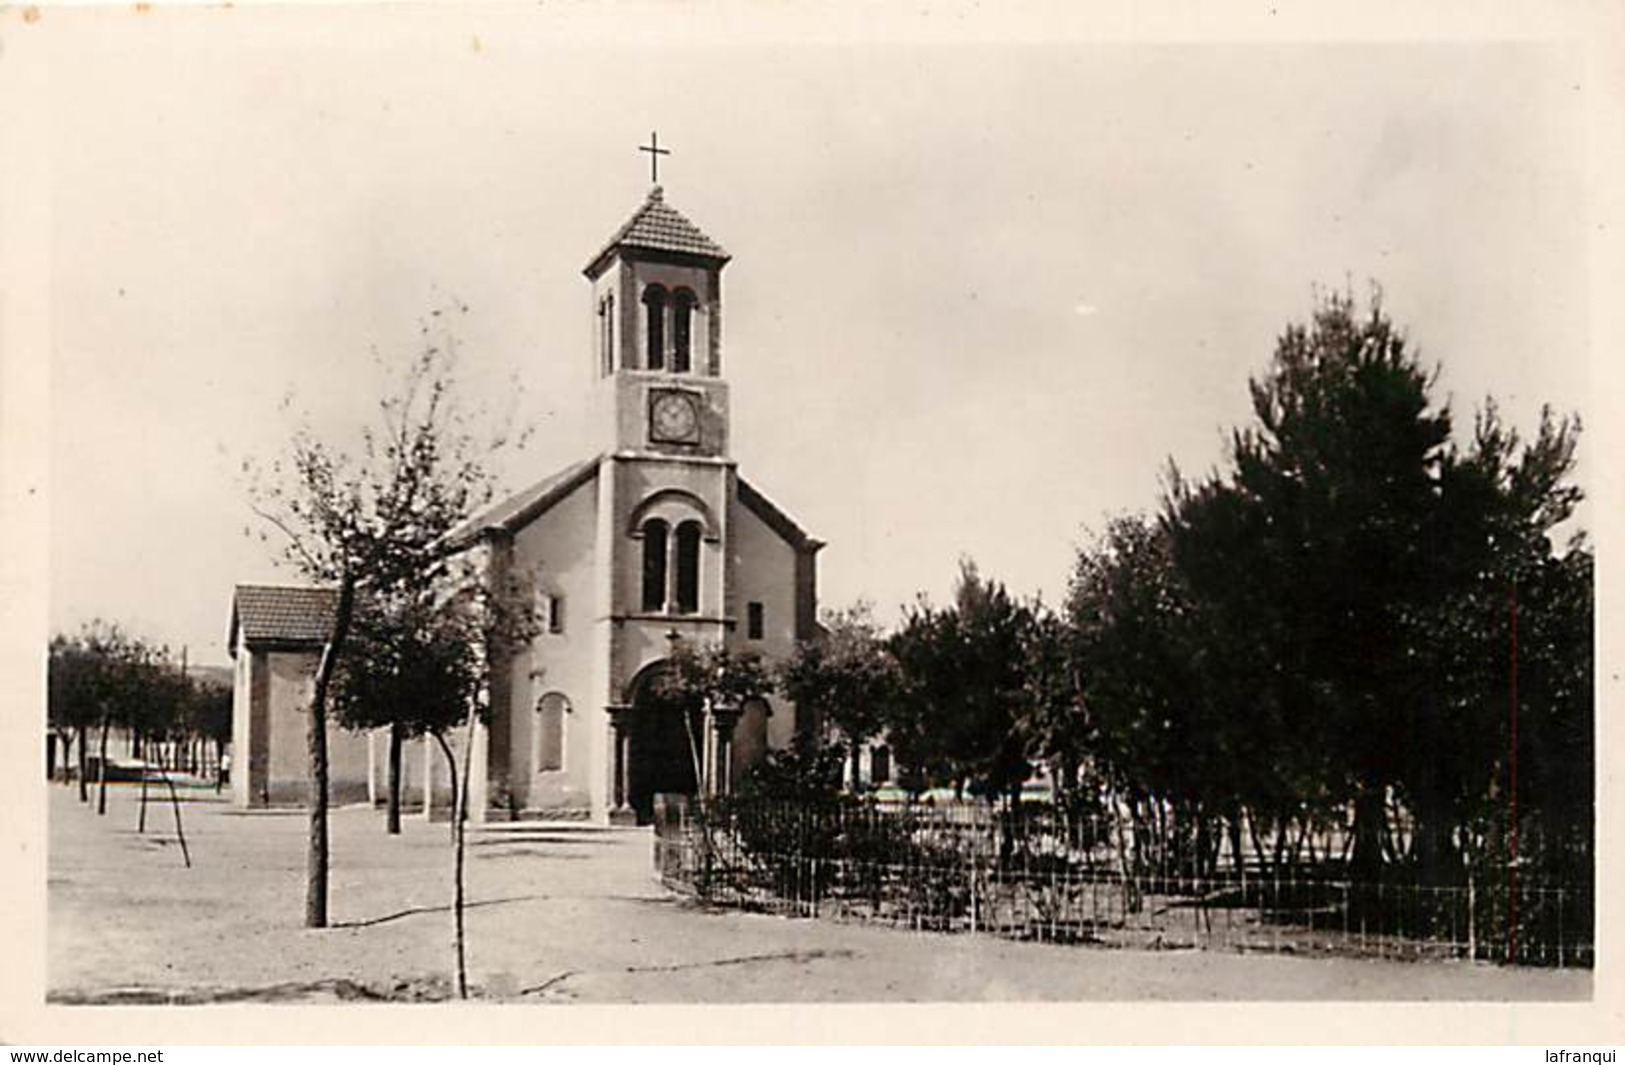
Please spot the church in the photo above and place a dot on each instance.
(652, 540)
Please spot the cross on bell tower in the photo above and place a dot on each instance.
(655, 152)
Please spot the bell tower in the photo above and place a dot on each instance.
(657, 313)
(651, 543)
(666, 481)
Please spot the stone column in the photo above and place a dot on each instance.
(620, 762)
(724, 719)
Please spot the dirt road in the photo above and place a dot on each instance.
(570, 913)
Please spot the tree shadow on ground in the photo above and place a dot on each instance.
(445, 908)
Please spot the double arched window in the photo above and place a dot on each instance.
(668, 316)
(671, 567)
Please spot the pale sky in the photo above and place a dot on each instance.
(980, 294)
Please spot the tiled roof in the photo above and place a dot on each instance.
(659, 227)
(776, 519)
(521, 507)
(280, 614)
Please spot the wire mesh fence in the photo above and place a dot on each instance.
(973, 869)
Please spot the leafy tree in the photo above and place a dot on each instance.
(844, 679)
(1352, 575)
(962, 690)
(97, 682)
(1154, 730)
(377, 518)
(1514, 603)
(701, 681)
(805, 774)
(1054, 725)
(407, 667)
(74, 699)
(209, 718)
(1319, 541)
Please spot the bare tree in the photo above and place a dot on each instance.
(376, 517)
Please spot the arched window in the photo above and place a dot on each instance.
(654, 314)
(688, 567)
(750, 736)
(550, 711)
(654, 565)
(682, 329)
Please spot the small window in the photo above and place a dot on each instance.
(555, 614)
(606, 335)
(753, 621)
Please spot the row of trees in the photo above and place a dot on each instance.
(1361, 630)
(102, 678)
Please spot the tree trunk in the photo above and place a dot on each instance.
(1129, 875)
(84, 765)
(101, 774)
(141, 825)
(66, 738)
(316, 853)
(459, 800)
(1007, 837)
(392, 801)
(1370, 818)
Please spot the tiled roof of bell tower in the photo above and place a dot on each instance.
(657, 226)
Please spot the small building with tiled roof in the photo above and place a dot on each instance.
(276, 638)
(264, 615)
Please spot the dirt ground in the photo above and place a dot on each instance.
(571, 913)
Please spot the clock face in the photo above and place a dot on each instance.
(674, 418)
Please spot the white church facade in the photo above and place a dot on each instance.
(651, 540)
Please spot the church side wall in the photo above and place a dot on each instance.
(558, 548)
(764, 571)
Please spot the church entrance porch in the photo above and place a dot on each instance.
(661, 756)
(666, 744)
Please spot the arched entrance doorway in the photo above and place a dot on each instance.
(663, 747)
